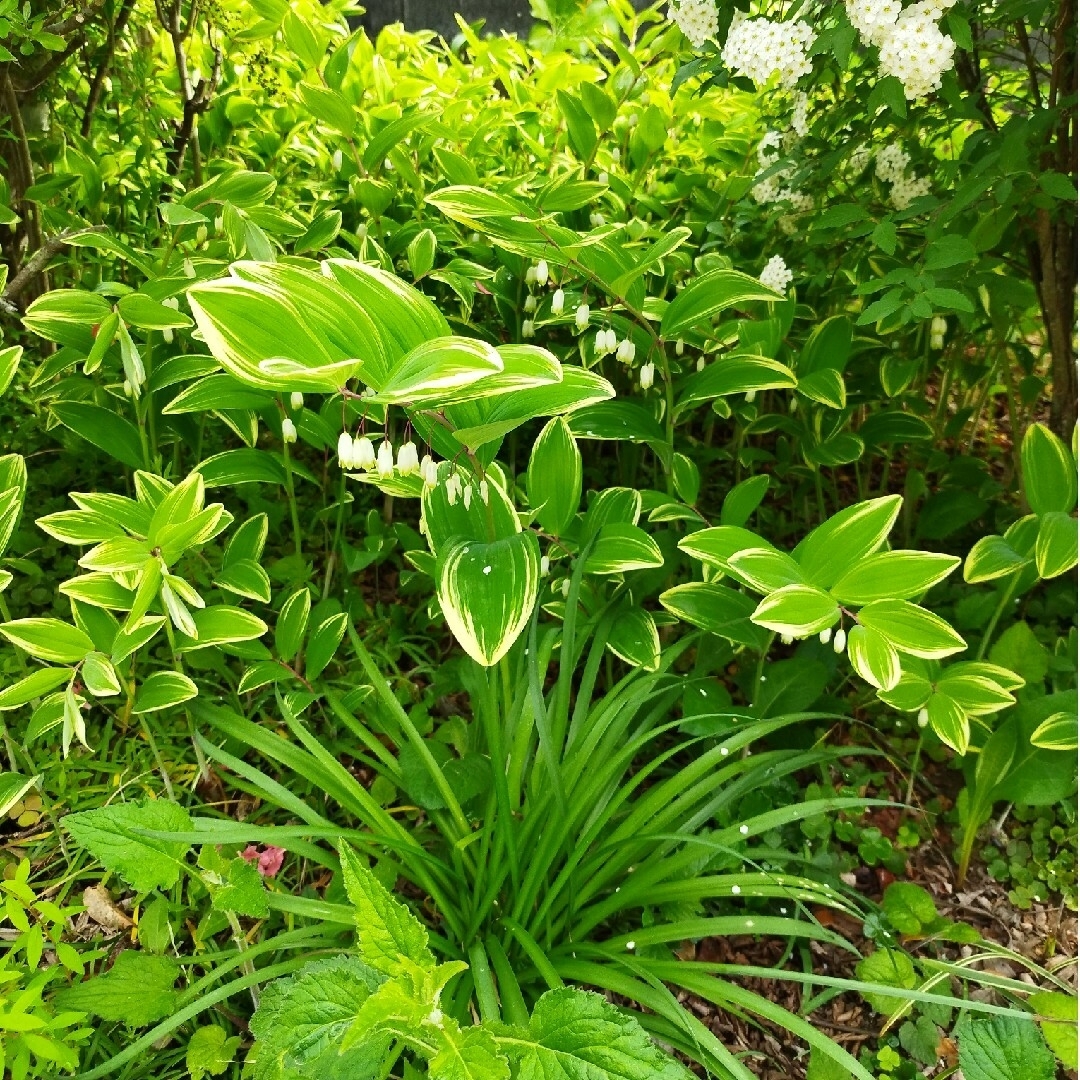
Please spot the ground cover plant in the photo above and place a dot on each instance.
(549, 558)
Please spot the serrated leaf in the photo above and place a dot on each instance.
(138, 989)
(210, 1052)
(390, 937)
(1003, 1048)
(112, 835)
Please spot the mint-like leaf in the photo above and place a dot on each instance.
(110, 835)
(210, 1052)
(470, 1054)
(1004, 1048)
(388, 932)
(138, 989)
(301, 1020)
(577, 1035)
(234, 884)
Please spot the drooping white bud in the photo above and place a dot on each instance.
(453, 488)
(530, 303)
(129, 390)
(530, 276)
(171, 302)
(626, 351)
(485, 492)
(750, 395)
(167, 334)
(337, 158)
(616, 155)
(542, 272)
(558, 300)
(528, 328)
(200, 235)
(601, 345)
(345, 451)
(466, 496)
(839, 641)
(581, 316)
(700, 365)
(189, 268)
(219, 223)
(603, 178)
(648, 374)
(680, 346)
(786, 639)
(288, 430)
(566, 586)
(545, 566)
(296, 400)
(385, 459)
(407, 460)
(429, 471)
(363, 453)
(825, 636)
(596, 220)
(924, 717)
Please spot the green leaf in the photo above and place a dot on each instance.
(734, 374)
(716, 546)
(9, 364)
(797, 610)
(990, 558)
(37, 684)
(1049, 471)
(466, 1054)
(765, 569)
(1055, 548)
(48, 639)
(1057, 1013)
(912, 629)
(292, 625)
(140, 310)
(718, 609)
(221, 625)
(620, 547)
(873, 657)
(908, 907)
(743, 499)
(577, 1035)
(390, 937)
(554, 477)
(949, 720)
(104, 429)
(886, 967)
(302, 1019)
(13, 786)
(1019, 650)
(835, 545)
(949, 250)
(436, 372)
(163, 690)
(487, 592)
(99, 676)
(67, 316)
(137, 989)
(893, 575)
(234, 884)
(709, 294)
(112, 834)
(210, 1052)
(1003, 1048)
(634, 638)
(329, 107)
(825, 386)
(322, 644)
(1056, 732)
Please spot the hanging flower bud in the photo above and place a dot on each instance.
(219, 223)
(129, 390)
(542, 273)
(363, 453)
(361, 231)
(545, 566)
(385, 460)
(530, 303)
(700, 365)
(200, 235)
(825, 636)
(839, 641)
(345, 451)
(466, 496)
(189, 268)
(337, 158)
(603, 178)
(485, 492)
(453, 488)
(288, 430)
(528, 328)
(648, 373)
(530, 276)
(429, 471)
(296, 400)
(626, 351)
(616, 155)
(680, 347)
(786, 639)
(750, 395)
(167, 334)
(924, 717)
(566, 586)
(558, 300)
(581, 316)
(407, 460)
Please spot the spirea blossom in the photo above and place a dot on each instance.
(776, 274)
(891, 163)
(917, 52)
(760, 48)
(800, 116)
(907, 189)
(874, 19)
(697, 19)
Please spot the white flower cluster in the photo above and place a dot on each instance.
(800, 116)
(938, 326)
(360, 453)
(890, 165)
(773, 187)
(760, 48)
(911, 46)
(697, 19)
(776, 274)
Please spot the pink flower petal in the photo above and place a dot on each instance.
(270, 860)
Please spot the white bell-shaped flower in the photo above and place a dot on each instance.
(581, 316)
(385, 458)
(296, 400)
(648, 374)
(542, 272)
(626, 351)
(363, 453)
(345, 451)
(288, 430)
(407, 460)
(558, 301)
